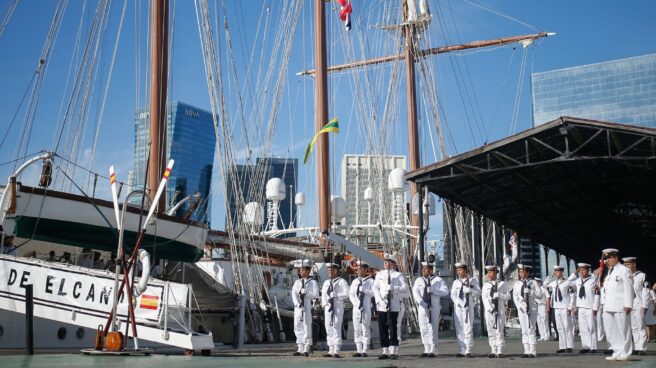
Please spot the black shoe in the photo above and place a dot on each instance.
(383, 356)
(394, 356)
(423, 355)
(357, 355)
(569, 351)
(491, 355)
(500, 355)
(593, 351)
(468, 355)
(560, 351)
(336, 356)
(431, 355)
(608, 352)
(525, 356)
(460, 355)
(364, 355)
(306, 354)
(298, 353)
(531, 356)
(584, 351)
(327, 355)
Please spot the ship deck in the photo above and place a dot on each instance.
(279, 355)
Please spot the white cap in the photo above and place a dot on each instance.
(558, 268)
(426, 264)
(586, 265)
(629, 259)
(609, 251)
(391, 257)
(460, 265)
(524, 267)
(301, 263)
(362, 264)
(537, 279)
(491, 268)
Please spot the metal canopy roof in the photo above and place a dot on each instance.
(575, 185)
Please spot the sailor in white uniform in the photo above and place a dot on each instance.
(526, 294)
(360, 295)
(427, 291)
(495, 294)
(586, 303)
(463, 290)
(304, 291)
(562, 304)
(542, 315)
(640, 304)
(389, 290)
(617, 298)
(333, 293)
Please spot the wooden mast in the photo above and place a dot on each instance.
(411, 101)
(158, 86)
(321, 102)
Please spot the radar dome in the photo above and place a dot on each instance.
(254, 214)
(275, 190)
(429, 200)
(396, 180)
(337, 208)
(368, 194)
(299, 199)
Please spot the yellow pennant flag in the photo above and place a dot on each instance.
(331, 127)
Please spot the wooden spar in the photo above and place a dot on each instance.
(321, 101)
(435, 51)
(158, 86)
(411, 100)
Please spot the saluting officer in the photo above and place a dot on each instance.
(586, 302)
(333, 293)
(526, 293)
(427, 291)
(617, 298)
(463, 289)
(360, 295)
(562, 304)
(389, 290)
(304, 291)
(495, 295)
(640, 304)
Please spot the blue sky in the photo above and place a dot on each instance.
(587, 32)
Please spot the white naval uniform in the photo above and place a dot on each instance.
(389, 285)
(526, 295)
(640, 304)
(332, 302)
(562, 303)
(618, 294)
(303, 292)
(463, 304)
(360, 295)
(427, 293)
(542, 315)
(494, 303)
(587, 302)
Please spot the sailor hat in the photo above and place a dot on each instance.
(426, 264)
(581, 265)
(537, 279)
(491, 268)
(460, 265)
(629, 259)
(333, 265)
(610, 252)
(524, 267)
(558, 268)
(362, 264)
(390, 257)
(306, 263)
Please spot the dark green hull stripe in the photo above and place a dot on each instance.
(102, 238)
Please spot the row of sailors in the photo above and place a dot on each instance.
(615, 297)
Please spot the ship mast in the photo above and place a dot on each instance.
(321, 118)
(158, 90)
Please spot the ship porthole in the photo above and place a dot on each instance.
(79, 333)
(2, 331)
(61, 333)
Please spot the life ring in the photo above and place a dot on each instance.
(140, 287)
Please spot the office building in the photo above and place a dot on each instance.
(190, 142)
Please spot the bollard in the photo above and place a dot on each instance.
(29, 319)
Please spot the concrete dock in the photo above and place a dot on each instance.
(279, 355)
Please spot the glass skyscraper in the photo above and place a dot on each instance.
(190, 142)
(617, 91)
